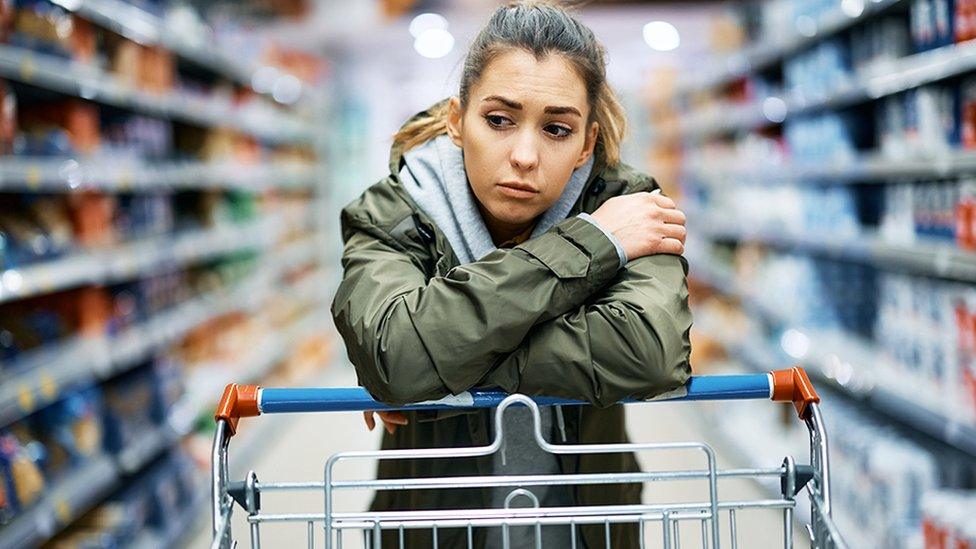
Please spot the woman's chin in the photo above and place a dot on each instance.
(514, 214)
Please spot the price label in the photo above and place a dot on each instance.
(125, 180)
(45, 280)
(27, 68)
(62, 510)
(33, 177)
(25, 397)
(49, 387)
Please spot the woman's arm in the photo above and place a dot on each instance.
(412, 339)
(631, 340)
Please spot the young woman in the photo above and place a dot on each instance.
(510, 247)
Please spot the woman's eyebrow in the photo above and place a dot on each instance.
(515, 105)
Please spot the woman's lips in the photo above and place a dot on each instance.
(517, 190)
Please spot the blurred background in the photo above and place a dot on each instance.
(171, 176)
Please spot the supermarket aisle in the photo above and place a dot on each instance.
(297, 449)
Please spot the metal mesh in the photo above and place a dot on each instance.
(707, 522)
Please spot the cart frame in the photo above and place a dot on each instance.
(791, 385)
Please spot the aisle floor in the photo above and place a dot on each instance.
(297, 446)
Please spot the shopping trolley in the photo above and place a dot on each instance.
(711, 516)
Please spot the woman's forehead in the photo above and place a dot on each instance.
(535, 84)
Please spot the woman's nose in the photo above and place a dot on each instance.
(525, 153)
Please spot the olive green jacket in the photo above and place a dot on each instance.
(555, 316)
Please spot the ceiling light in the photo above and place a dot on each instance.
(426, 22)
(434, 43)
(661, 36)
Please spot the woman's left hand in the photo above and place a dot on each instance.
(390, 420)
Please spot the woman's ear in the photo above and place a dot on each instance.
(455, 120)
(588, 145)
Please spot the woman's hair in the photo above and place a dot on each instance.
(542, 28)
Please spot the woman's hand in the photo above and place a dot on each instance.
(390, 420)
(644, 223)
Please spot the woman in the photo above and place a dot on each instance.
(509, 247)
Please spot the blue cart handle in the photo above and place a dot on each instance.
(250, 400)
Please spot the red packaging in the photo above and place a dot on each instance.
(91, 215)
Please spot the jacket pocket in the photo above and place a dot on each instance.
(559, 255)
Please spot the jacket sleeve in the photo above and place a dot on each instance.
(414, 339)
(629, 340)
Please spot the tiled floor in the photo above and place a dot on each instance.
(297, 449)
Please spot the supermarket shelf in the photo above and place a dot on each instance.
(144, 27)
(925, 257)
(765, 54)
(106, 265)
(67, 500)
(208, 381)
(193, 514)
(847, 364)
(91, 83)
(91, 484)
(869, 84)
(890, 78)
(867, 168)
(51, 369)
(54, 174)
(81, 490)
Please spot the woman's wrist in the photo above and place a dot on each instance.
(621, 253)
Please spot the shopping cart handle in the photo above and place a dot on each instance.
(791, 385)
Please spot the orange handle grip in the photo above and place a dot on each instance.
(237, 401)
(794, 386)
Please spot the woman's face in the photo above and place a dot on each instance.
(523, 132)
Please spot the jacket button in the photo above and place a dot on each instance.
(598, 186)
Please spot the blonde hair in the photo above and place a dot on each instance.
(541, 28)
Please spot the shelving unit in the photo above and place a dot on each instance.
(823, 175)
(114, 175)
(72, 496)
(132, 259)
(926, 258)
(145, 27)
(844, 362)
(869, 84)
(873, 168)
(762, 55)
(93, 84)
(283, 242)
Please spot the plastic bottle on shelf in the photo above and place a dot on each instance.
(965, 215)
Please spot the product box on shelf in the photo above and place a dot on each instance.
(948, 519)
(965, 18)
(31, 324)
(58, 128)
(33, 228)
(42, 449)
(879, 42)
(131, 408)
(920, 121)
(8, 118)
(21, 477)
(43, 26)
(155, 503)
(126, 135)
(70, 430)
(933, 23)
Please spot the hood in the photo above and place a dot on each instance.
(433, 174)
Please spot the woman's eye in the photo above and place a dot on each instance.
(497, 121)
(558, 131)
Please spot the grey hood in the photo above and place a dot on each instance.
(433, 173)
